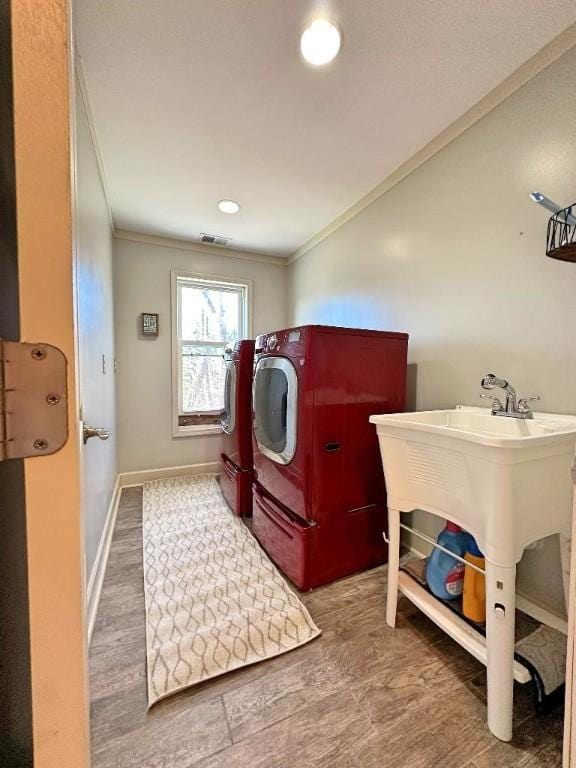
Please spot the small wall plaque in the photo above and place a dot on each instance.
(149, 324)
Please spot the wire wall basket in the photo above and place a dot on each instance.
(561, 236)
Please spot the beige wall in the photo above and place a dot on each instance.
(454, 254)
(95, 334)
(144, 388)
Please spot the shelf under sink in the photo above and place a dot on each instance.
(471, 639)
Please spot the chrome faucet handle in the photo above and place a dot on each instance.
(523, 406)
(496, 402)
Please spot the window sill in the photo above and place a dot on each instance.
(200, 430)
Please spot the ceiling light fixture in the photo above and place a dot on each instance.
(228, 206)
(320, 42)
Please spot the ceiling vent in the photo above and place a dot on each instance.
(213, 239)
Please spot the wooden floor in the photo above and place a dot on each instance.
(360, 696)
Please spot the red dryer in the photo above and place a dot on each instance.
(236, 422)
(319, 494)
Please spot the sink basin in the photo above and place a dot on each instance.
(505, 480)
(478, 425)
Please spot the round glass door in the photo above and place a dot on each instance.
(228, 415)
(275, 404)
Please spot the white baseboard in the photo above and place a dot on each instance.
(99, 568)
(541, 613)
(137, 477)
(414, 551)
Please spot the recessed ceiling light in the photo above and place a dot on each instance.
(228, 206)
(320, 42)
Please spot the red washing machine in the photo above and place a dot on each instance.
(236, 422)
(319, 494)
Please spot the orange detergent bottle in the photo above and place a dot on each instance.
(474, 593)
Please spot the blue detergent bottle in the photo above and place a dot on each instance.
(444, 574)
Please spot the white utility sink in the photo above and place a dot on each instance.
(505, 480)
(478, 425)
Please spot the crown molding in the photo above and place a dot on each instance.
(85, 101)
(195, 247)
(540, 61)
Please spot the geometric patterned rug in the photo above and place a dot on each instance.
(214, 601)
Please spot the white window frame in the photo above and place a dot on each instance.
(208, 281)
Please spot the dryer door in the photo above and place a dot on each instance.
(275, 407)
(228, 416)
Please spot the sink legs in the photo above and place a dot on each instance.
(393, 565)
(500, 622)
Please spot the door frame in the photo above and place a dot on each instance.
(42, 88)
(42, 84)
(569, 752)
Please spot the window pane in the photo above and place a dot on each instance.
(209, 314)
(203, 372)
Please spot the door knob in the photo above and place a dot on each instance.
(88, 432)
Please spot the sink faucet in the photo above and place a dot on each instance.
(516, 410)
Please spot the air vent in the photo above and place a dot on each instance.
(213, 239)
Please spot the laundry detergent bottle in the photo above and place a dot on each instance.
(474, 596)
(445, 574)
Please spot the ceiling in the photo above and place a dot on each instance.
(198, 100)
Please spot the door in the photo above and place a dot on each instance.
(228, 417)
(275, 406)
(44, 711)
(569, 755)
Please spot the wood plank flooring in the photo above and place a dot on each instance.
(360, 696)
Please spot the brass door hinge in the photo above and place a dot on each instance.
(33, 407)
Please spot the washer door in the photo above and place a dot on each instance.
(275, 405)
(228, 416)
